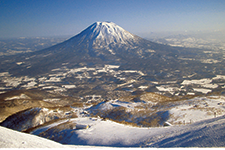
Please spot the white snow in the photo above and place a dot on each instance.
(204, 85)
(19, 63)
(15, 139)
(42, 79)
(112, 32)
(1, 92)
(143, 87)
(112, 66)
(3, 74)
(51, 99)
(54, 79)
(210, 61)
(207, 133)
(190, 93)
(203, 118)
(14, 82)
(102, 34)
(213, 86)
(30, 84)
(111, 51)
(219, 77)
(201, 81)
(69, 86)
(168, 88)
(21, 96)
(202, 90)
(27, 79)
(197, 109)
(50, 87)
(110, 133)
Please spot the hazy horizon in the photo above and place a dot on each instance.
(69, 17)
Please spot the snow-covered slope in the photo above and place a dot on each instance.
(14, 139)
(33, 117)
(204, 130)
(207, 133)
(105, 34)
(147, 112)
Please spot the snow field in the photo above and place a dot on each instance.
(197, 109)
(204, 85)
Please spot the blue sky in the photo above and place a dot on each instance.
(69, 17)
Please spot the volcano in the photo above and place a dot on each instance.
(105, 43)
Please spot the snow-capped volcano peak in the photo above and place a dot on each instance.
(104, 34)
(110, 29)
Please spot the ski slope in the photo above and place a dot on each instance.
(206, 133)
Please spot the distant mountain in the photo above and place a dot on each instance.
(107, 43)
(105, 35)
(102, 42)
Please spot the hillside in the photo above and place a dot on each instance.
(153, 119)
(207, 133)
(15, 139)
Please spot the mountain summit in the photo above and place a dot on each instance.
(104, 35)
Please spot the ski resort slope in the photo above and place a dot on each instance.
(205, 129)
(206, 133)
